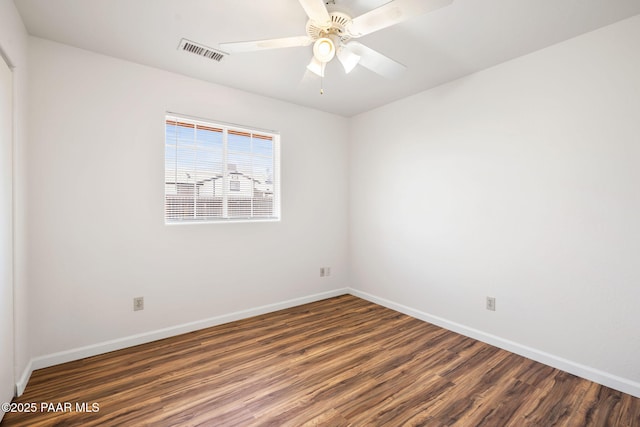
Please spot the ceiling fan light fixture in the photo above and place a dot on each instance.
(316, 67)
(348, 59)
(324, 49)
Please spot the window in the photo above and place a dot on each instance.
(216, 172)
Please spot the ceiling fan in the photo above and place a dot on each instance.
(332, 34)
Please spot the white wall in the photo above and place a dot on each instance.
(6, 234)
(98, 122)
(13, 43)
(519, 182)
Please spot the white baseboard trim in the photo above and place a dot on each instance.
(609, 380)
(21, 384)
(618, 383)
(130, 341)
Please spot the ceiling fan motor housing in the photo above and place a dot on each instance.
(338, 29)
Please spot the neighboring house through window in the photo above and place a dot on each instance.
(219, 172)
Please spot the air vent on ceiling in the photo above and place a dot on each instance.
(201, 50)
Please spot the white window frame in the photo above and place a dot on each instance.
(178, 208)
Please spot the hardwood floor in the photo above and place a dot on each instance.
(338, 362)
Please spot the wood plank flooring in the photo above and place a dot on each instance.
(337, 362)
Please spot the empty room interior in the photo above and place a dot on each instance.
(311, 212)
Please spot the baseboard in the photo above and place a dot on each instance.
(609, 380)
(618, 383)
(21, 384)
(130, 341)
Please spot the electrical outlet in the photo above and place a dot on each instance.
(322, 272)
(327, 271)
(138, 303)
(491, 303)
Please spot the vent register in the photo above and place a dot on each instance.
(201, 50)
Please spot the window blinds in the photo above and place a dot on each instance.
(217, 172)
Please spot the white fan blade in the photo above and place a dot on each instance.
(317, 12)
(252, 46)
(392, 13)
(375, 61)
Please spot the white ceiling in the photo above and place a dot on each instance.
(467, 36)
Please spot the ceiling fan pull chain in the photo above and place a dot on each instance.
(321, 85)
